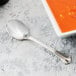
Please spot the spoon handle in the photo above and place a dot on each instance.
(63, 58)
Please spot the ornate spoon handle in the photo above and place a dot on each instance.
(63, 58)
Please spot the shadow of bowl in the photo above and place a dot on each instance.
(2, 2)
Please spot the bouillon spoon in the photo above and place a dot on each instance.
(19, 31)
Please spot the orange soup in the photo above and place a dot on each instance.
(64, 12)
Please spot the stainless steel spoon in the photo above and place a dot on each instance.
(19, 31)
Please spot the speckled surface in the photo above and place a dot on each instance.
(26, 58)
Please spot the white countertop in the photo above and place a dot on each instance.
(26, 58)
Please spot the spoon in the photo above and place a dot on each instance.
(18, 30)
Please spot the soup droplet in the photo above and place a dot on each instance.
(72, 13)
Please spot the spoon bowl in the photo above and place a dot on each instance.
(17, 29)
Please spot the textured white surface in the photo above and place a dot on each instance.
(26, 58)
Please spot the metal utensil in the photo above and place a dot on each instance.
(18, 30)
